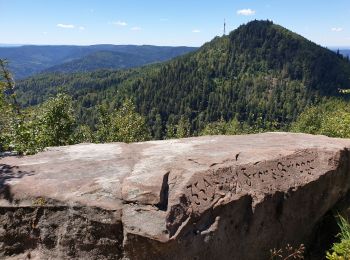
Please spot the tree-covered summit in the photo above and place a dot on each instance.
(261, 75)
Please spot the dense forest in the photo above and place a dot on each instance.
(54, 123)
(260, 75)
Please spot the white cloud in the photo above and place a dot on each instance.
(196, 31)
(337, 29)
(81, 28)
(65, 26)
(246, 12)
(120, 23)
(136, 28)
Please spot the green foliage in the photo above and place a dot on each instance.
(50, 124)
(104, 124)
(222, 127)
(122, 125)
(157, 128)
(56, 121)
(309, 121)
(31, 130)
(234, 127)
(216, 128)
(4, 112)
(183, 128)
(83, 134)
(261, 74)
(331, 118)
(170, 131)
(341, 250)
(259, 78)
(7, 109)
(23, 134)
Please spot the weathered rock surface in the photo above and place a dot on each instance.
(220, 197)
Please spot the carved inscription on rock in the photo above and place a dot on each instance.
(223, 183)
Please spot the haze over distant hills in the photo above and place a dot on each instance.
(10, 45)
(345, 52)
(28, 60)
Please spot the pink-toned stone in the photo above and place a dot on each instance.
(218, 197)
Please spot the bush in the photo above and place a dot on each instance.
(341, 250)
(330, 118)
(51, 124)
(30, 131)
(83, 134)
(55, 121)
(122, 125)
(222, 127)
(6, 108)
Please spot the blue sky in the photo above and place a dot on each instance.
(165, 22)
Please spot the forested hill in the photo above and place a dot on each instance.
(261, 73)
(29, 60)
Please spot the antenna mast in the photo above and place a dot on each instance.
(224, 26)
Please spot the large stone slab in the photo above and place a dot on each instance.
(218, 197)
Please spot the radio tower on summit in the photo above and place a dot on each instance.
(224, 26)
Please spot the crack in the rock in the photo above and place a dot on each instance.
(164, 194)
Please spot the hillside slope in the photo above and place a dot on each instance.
(262, 74)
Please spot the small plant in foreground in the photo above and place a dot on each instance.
(341, 250)
(288, 253)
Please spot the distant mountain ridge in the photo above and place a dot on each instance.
(29, 60)
(101, 60)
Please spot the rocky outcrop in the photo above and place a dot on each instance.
(219, 197)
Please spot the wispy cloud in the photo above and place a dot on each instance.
(337, 29)
(120, 23)
(136, 28)
(65, 26)
(246, 12)
(81, 28)
(196, 31)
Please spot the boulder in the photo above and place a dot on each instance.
(213, 197)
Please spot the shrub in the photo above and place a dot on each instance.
(122, 125)
(331, 118)
(222, 127)
(341, 250)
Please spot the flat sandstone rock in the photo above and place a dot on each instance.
(217, 197)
